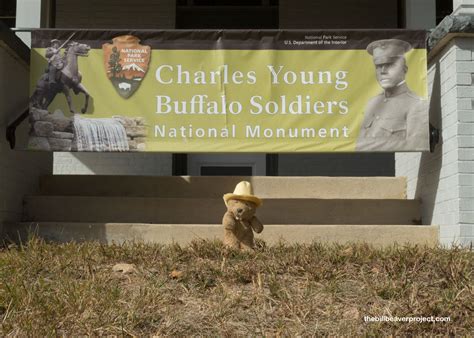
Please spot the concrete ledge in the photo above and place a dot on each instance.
(211, 210)
(379, 235)
(216, 186)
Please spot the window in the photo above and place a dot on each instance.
(227, 14)
(8, 12)
(443, 9)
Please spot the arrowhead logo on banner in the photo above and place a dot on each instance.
(126, 63)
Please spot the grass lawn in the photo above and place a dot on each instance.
(204, 289)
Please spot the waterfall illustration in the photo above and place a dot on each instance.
(105, 134)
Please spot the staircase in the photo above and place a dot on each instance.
(180, 209)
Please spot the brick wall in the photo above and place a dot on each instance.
(444, 180)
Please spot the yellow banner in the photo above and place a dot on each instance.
(231, 100)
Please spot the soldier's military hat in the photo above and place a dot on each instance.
(388, 50)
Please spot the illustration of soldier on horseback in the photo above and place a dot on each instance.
(56, 61)
(61, 75)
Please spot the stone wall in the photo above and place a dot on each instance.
(444, 180)
(56, 132)
(50, 131)
(136, 130)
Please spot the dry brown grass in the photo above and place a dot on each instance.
(203, 289)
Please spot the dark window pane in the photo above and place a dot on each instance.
(7, 12)
(443, 9)
(7, 7)
(226, 171)
(227, 2)
(9, 22)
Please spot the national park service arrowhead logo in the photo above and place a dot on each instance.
(126, 63)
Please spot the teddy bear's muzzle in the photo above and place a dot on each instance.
(239, 214)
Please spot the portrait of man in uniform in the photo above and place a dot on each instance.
(397, 118)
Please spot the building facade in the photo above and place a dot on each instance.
(443, 180)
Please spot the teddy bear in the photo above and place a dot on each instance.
(240, 221)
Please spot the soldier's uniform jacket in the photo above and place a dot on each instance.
(54, 57)
(395, 120)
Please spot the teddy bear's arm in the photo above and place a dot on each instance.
(228, 221)
(256, 225)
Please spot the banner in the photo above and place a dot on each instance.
(229, 91)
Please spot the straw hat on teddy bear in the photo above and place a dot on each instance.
(243, 191)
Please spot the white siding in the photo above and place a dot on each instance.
(444, 180)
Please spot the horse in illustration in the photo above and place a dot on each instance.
(69, 78)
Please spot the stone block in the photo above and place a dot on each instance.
(140, 121)
(447, 86)
(466, 166)
(141, 146)
(464, 79)
(463, 55)
(38, 143)
(448, 231)
(448, 109)
(37, 114)
(125, 121)
(465, 104)
(466, 129)
(132, 145)
(448, 59)
(449, 120)
(466, 204)
(466, 192)
(466, 217)
(42, 128)
(139, 131)
(59, 144)
(449, 97)
(73, 146)
(466, 179)
(63, 135)
(449, 170)
(466, 115)
(465, 91)
(464, 67)
(60, 122)
(466, 141)
(449, 132)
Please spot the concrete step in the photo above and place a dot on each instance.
(378, 235)
(210, 210)
(216, 186)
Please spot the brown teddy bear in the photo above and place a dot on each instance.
(240, 221)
